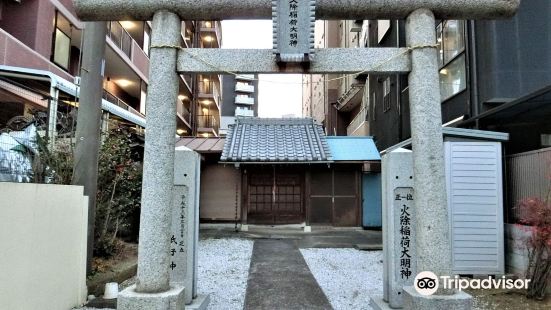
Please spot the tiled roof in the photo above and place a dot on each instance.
(202, 145)
(275, 140)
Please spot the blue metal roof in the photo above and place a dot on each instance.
(353, 148)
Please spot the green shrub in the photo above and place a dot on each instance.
(119, 190)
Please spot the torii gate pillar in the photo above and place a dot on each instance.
(152, 290)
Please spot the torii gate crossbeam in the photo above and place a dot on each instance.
(263, 61)
(325, 9)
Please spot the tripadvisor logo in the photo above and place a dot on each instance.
(426, 283)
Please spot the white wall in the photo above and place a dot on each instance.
(42, 246)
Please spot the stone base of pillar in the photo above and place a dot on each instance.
(377, 303)
(244, 227)
(172, 299)
(457, 301)
(201, 302)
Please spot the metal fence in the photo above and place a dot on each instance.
(27, 156)
(528, 175)
(18, 155)
(120, 37)
(120, 103)
(207, 121)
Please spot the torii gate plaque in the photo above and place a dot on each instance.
(419, 60)
(293, 24)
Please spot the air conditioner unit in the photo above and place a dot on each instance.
(77, 80)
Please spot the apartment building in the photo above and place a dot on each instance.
(318, 92)
(336, 100)
(40, 57)
(240, 98)
(494, 75)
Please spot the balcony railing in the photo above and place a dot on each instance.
(243, 112)
(120, 103)
(216, 95)
(187, 79)
(244, 88)
(214, 26)
(207, 121)
(358, 121)
(206, 87)
(210, 89)
(246, 77)
(244, 100)
(188, 31)
(120, 37)
(128, 46)
(183, 112)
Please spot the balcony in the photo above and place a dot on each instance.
(122, 42)
(120, 37)
(245, 77)
(244, 112)
(359, 126)
(120, 103)
(23, 56)
(183, 114)
(188, 32)
(244, 100)
(211, 27)
(187, 81)
(246, 88)
(208, 89)
(351, 98)
(207, 124)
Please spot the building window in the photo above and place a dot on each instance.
(451, 57)
(61, 51)
(386, 95)
(383, 26)
(147, 39)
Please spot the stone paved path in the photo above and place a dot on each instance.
(280, 279)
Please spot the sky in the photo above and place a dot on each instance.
(279, 94)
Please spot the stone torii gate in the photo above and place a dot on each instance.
(167, 60)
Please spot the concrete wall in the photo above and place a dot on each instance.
(43, 240)
(516, 255)
(218, 193)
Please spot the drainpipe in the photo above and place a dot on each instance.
(475, 100)
(52, 115)
(195, 84)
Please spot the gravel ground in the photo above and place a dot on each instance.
(348, 277)
(223, 271)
